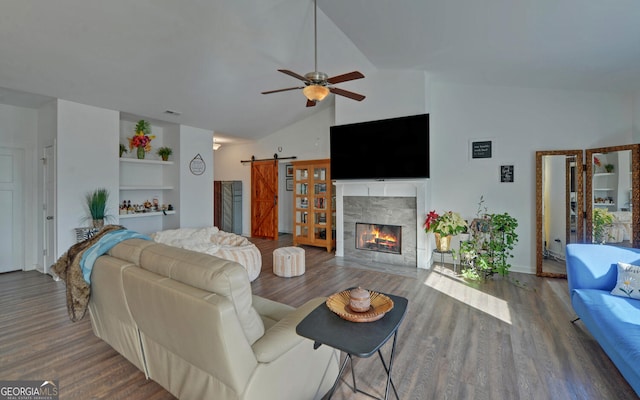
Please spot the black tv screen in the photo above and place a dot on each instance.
(393, 148)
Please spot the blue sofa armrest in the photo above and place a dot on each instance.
(594, 266)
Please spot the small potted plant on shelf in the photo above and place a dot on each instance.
(609, 168)
(141, 139)
(164, 153)
(123, 149)
(444, 227)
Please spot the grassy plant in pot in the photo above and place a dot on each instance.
(97, 204)
(444, 227)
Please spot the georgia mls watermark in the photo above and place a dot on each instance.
(29, 390)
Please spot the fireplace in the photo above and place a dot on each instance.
(379, 237)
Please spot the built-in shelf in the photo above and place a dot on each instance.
(604, 204)
(145, 161)
(602, 189)
(604, 174)
(147, 214)
(148, 187)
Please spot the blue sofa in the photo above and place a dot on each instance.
(612, 320)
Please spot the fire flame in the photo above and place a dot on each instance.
(377, 235)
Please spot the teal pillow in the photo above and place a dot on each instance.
(628, 283)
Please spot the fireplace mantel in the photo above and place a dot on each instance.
(420, 189)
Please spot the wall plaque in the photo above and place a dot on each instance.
(197, 165)
(481, 149)
(506, 173)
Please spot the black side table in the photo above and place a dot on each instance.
(360, 339)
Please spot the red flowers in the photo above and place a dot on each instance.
(431, 218)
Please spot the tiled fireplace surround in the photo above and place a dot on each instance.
(397, 202)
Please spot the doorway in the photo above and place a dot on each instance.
(11, 199)
(264, 199)
(49, 207)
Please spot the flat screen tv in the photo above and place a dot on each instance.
(393, 148)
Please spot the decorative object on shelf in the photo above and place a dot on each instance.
(197, 165)
(602, 220)
(164, 153)
(97, 205)
(444, 227)
(141, 139)
(123, 149)
(596, 163)
(609, 168)
(380, 304)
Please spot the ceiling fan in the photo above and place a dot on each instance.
(317, 85)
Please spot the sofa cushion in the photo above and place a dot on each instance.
(210, 273)
(628, 282)
(130, 250)
(613, 322)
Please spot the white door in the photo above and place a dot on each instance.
(12, 215)
(49, 207)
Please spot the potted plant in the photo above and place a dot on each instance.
(602, 220)
(493, 237)
(97, 204)
(164, 153)
(444, 227)
(123, 149)
(141, 139)
(609, 168)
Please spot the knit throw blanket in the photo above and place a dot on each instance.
(68, 269)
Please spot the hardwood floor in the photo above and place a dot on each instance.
(503, 339)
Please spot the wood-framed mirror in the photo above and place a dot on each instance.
(612, 184)
(559, 208)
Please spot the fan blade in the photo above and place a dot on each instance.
(283, 90)
(291, 73)
(345, 77)
(311, 103)
(346, 93)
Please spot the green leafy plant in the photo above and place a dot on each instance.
(609, 168)
(143, 127)
(123, 149)
(493, 238)
(601, 221)
(164, 152)
(449, 223)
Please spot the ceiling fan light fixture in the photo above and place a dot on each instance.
(315, 92)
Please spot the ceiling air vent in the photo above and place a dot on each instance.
(172, 112)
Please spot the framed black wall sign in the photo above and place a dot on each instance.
(506, 173)
(481, 149)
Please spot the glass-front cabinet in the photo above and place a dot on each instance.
(314, 204)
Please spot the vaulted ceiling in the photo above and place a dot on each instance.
(210, 59)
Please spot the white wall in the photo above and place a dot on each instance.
(519, 121)
(87, 159)
(307, 140)
(19, 129)
(196, 191)
(390, 94)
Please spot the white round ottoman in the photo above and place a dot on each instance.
(288, 261)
